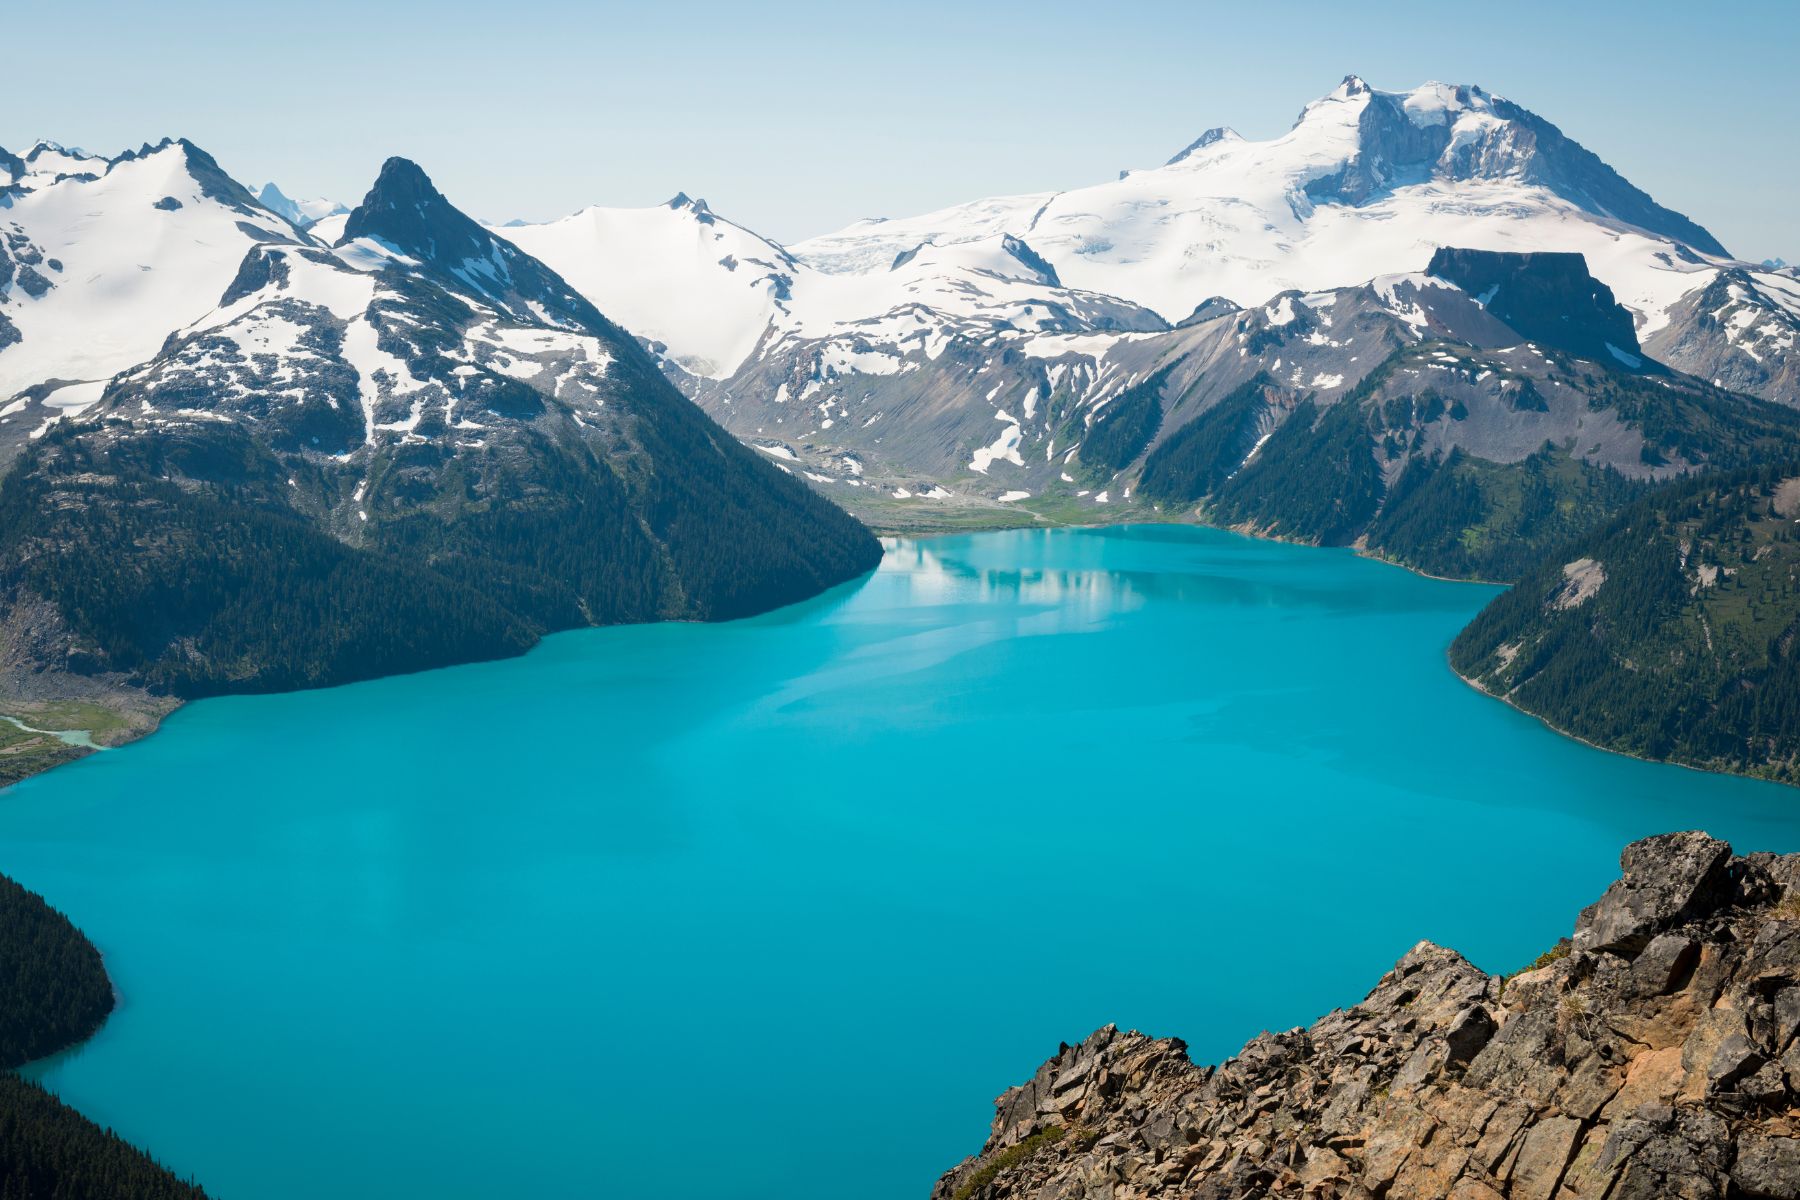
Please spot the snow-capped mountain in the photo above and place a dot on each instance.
(1741, 330)
(701, 288)
(1367, 186)
(1029, 350)
(420, 430)
(46, 162)
(708, 293)
(100, 259)
(303, 213)
(1366, 183)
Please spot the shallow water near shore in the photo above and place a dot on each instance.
(774, 909)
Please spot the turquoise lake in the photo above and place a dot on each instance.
(774, 909)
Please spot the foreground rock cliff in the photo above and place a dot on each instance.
(1652, 1055)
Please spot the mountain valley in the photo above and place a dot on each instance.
(1423, 324)
(488, 657)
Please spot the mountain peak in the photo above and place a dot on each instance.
(403, 181)
(405, 211)
(303, 213)
(45, 146)
(1360, 143)
(681, 200)
(1213, 136)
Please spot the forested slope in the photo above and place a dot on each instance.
(1673, 632)
(54, 993)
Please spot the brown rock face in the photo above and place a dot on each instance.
(1652, 1056)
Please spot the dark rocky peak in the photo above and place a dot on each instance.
(1548, 298)
(12, 164)
(1211, 137)
(143, 151)
(405, 213)
(1031, 260)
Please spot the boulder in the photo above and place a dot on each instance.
(1666, 879)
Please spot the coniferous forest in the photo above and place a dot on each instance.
(48, 1151)
(53, 988)
(1673, 632)
(182, 563)
(1366, 470)
(54, 993)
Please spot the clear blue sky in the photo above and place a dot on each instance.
(797, 117)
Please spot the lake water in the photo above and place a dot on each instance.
(774, 909)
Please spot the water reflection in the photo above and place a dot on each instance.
(1128, 566)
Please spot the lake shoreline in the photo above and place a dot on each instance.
(924, 533)
(1553, 727)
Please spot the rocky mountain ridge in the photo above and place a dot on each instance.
(414, 447)
(904, 337)
(878, 362)
(1653, 1054)
(1425, 376)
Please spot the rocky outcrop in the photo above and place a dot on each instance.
(1739, 331)
(1651, 1055)
(1547, 297)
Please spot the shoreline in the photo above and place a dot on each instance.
(139, 720)
(1553, 727)
(83, 738)
(884, 531)
(1361, 551)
